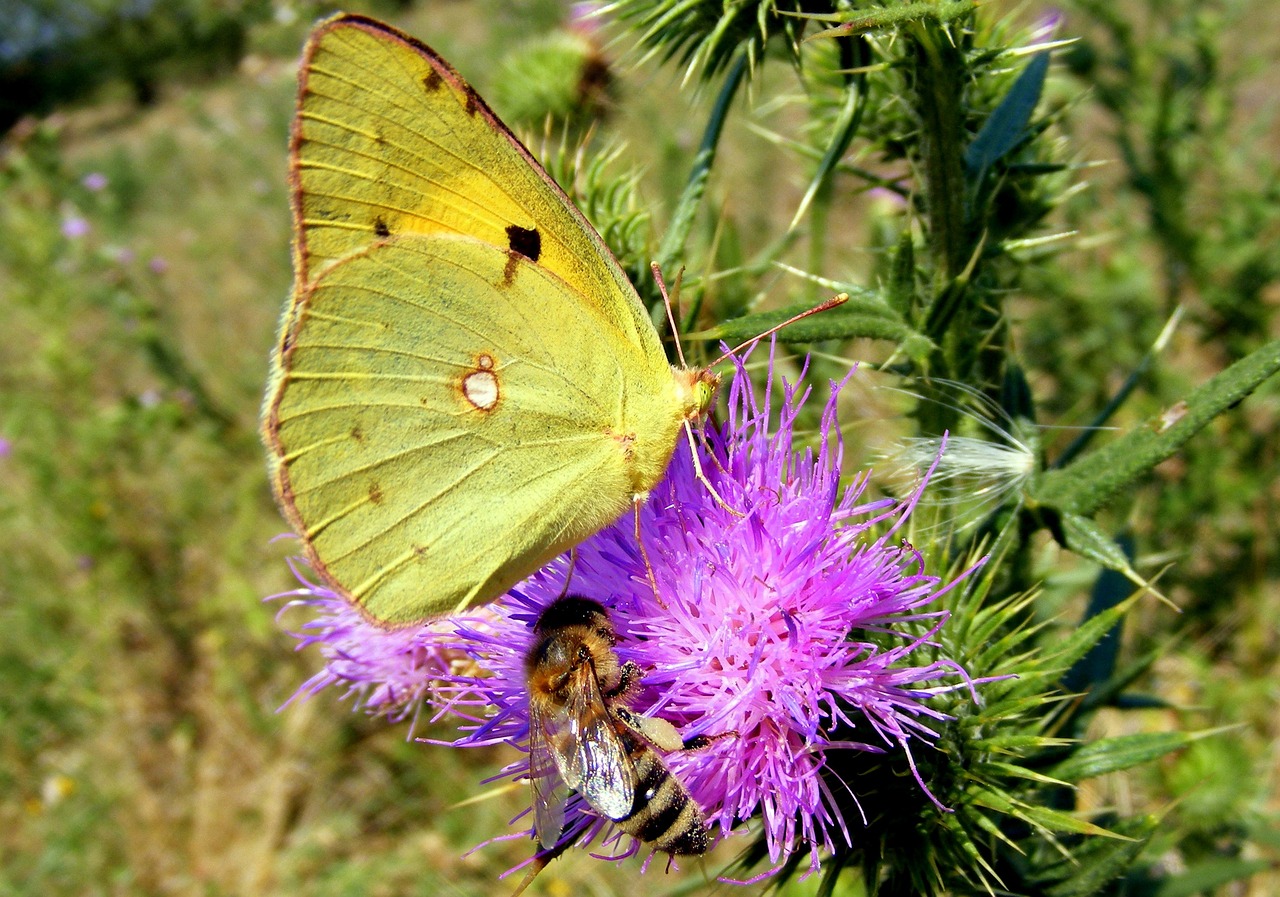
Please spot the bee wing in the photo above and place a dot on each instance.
(588, 750)
(549, 788)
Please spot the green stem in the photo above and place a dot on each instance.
(695, 188)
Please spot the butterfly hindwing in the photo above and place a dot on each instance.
(423, 472)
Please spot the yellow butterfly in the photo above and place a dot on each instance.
(466, 383)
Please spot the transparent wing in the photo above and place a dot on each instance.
(591, 756)
(549, 788)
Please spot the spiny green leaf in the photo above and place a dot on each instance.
(869, 20)
(1090, 482)
(846, 126)
(1122, 752)
(1097, 861)
(1021, 744)
(695, 188)
(864, 315)
(1087, 634)
(1041, 817)
(993, 769)
(1055, 821)
(1089, 540)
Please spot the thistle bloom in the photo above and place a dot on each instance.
(781, 625)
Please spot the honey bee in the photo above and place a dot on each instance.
(583, 738)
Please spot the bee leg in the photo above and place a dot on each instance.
(628, 681)
(698, 742)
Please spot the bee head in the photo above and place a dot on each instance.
(573, 610)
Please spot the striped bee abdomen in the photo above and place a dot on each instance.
(663, 812)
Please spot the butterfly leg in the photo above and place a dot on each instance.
(702, 477)
(637, 501)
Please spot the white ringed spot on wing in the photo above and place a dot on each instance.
(480, 385)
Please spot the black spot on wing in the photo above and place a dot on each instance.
(380, 227)
(432, 82)
(526, 241)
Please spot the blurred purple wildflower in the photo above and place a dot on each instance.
(773, 626)
(95, 181)
(74, 227)
(1046, 27)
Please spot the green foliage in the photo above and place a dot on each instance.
(961, 103)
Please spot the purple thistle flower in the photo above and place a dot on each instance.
(386, 672)
(770, 632)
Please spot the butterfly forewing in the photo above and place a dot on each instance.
(390, 140)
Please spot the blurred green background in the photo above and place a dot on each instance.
(144, 260)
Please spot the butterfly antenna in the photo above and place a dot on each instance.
(666, 301)
(833, 302)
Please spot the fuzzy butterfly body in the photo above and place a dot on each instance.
(466, 384)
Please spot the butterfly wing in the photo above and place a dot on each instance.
(390, 140)
(466, 384)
